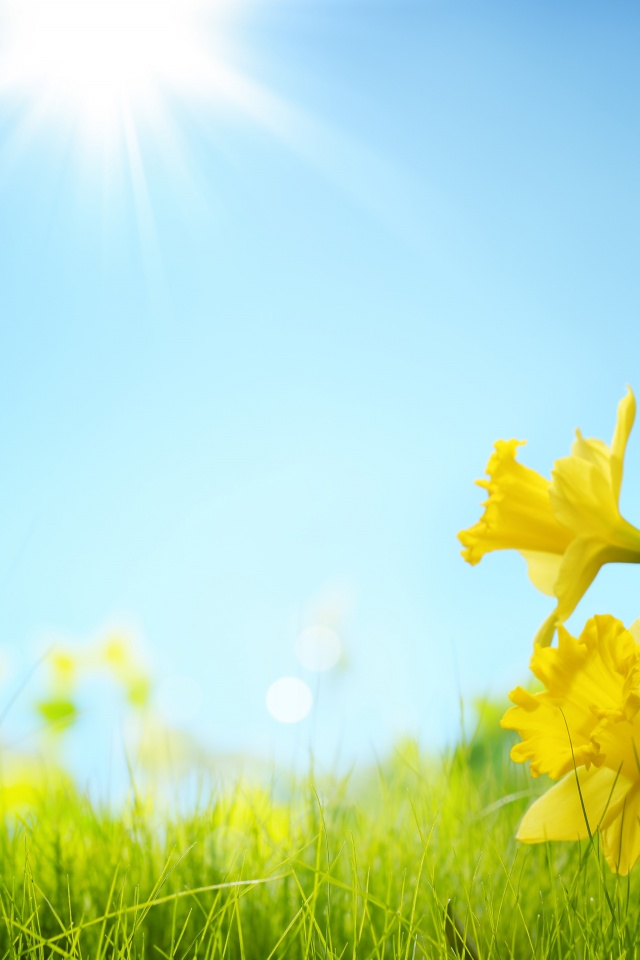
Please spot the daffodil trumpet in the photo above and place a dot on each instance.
(583, 730)
(566, 528)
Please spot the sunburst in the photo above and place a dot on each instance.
(98, 65)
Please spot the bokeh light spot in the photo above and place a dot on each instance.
(289, 700)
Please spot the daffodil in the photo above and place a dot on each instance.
(566, 528)
(584, 731)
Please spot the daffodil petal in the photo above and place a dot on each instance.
(543, 569)
(578, 569)
(544, 636)
(567, 528)
(591, 685)
(592, 690)
(582, 497)
(518, 512)
(595, 451)
(585, 487)
(554, 739)
(559, 814)
(592, 670)
(621, 838)
(624, 425)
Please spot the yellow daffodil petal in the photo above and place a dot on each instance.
(559, 814)
(582, 499)
(590, 681)
(518, 513)
(553, 742)
(596, 452)
(577, 571)
(584, 727)
(567, 528)
(624, 424)
(621, 839)
(584, 495)
(585, 487)
(545, 634)
(591, 669)
(543, 569)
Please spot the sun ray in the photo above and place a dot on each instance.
(107, 80)
(147, 232)
(88, 62)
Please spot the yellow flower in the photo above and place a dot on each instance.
(584, 730)
(565, 528)
(116, 652)
(64, 666)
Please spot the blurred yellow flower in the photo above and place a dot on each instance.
(27, 782)
(116, 652)
(138, 689)
(584, 730)
(566, 528)
(64, 667)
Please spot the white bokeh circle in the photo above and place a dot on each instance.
(289, 700)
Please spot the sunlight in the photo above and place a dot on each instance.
(99, 61)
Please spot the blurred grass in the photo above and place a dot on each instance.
(412, 858)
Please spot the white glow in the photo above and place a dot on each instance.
(289, 700)
(318, 648)
(99, 60)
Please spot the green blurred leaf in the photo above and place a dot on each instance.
(60, 712)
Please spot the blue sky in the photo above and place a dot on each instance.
(250, 371)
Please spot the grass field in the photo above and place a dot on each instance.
(412, 858)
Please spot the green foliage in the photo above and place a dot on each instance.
(58, 712)
(414, 858)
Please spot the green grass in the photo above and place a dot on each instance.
(318, 868)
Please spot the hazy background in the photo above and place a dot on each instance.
(249, 374)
